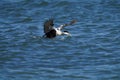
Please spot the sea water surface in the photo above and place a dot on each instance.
(92, 52)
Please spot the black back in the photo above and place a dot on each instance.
(51, 34)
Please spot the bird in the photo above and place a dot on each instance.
(51, 32)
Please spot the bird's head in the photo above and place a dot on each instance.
(66, 33)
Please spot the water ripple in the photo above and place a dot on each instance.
(90, 53)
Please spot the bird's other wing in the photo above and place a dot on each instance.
(48, 25)
(64, 25)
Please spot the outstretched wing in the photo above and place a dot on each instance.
(64, 25)
(48, 25)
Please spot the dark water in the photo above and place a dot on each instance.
(91, 53)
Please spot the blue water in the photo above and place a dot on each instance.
(91, 53)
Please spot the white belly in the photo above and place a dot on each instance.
(58, 32)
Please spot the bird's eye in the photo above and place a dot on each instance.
(66, 31)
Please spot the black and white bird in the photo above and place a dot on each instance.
(50, 31)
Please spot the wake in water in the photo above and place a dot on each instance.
(63, 37)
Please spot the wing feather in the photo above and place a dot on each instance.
(48, 25)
